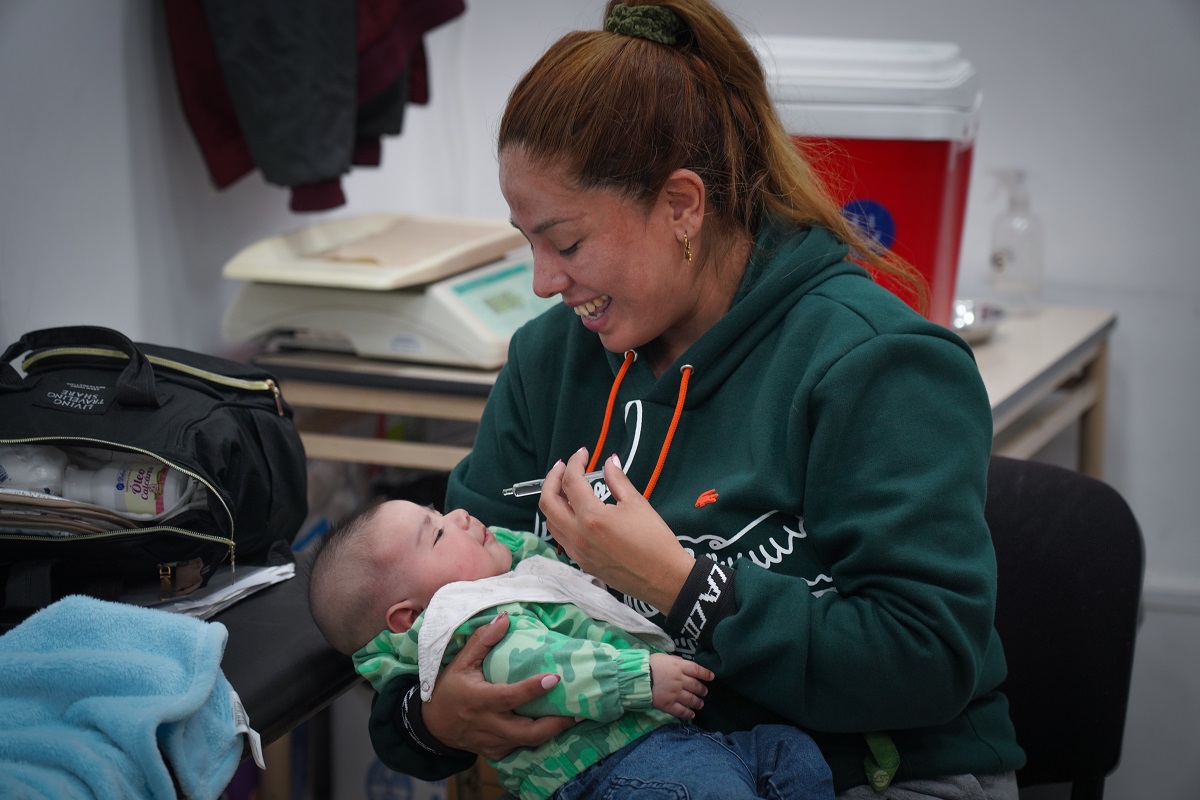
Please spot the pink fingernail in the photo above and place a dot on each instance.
(549, 682)
(616, 460)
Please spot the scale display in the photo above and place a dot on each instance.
(502, 299)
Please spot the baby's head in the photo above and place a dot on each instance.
(380, 566)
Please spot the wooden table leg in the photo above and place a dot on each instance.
(1091, 423)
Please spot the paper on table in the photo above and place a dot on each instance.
(376, 251)
(224, 589)
(411, 240)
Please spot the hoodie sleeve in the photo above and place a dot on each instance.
(893, 465)
(599, 680)
(400, 738)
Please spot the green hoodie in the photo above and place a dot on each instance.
(833, 451)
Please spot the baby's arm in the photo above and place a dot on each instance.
(599, 681)
(678, 685)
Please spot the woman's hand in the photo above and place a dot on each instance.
(627, 545)
(677, 685)
(469, 713)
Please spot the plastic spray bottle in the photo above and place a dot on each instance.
(1016, 257)
(37, 468)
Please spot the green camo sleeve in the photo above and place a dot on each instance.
(524, 545)
(600, 680)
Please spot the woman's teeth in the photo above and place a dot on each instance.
(588, 308)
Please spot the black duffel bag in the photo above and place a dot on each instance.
(209, 467)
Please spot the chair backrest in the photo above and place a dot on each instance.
(1070, 558)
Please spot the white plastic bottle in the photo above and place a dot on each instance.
(1016, 257)
(140, 487)
(33, 467)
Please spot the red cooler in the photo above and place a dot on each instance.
(893, 124)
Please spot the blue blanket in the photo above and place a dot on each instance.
(96, 698)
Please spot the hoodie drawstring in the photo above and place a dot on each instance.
(630, 357)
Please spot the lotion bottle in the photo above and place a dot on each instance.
(1016, 251)
(144, 488)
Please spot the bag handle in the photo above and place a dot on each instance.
(135, 386)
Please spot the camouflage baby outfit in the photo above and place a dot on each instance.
(561, 621)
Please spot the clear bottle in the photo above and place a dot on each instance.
(141, 487)
(1016, 256)
(33, 467)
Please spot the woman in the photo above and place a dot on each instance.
(754, 397)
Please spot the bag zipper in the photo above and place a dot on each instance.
(212, 492)
(243, 384)
(168, 577)
(76, 537)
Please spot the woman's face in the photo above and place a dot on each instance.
(621, 268)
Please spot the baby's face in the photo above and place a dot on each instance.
(429, 550)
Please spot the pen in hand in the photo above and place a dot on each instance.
(526, 488)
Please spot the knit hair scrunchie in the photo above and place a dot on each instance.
(656, 23)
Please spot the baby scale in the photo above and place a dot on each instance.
(439, 290)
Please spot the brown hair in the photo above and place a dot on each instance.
(622, 113)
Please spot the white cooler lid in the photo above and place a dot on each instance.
(871, 88)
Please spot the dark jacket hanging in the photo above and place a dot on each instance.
(299, 89)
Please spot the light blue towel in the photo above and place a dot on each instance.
(96, 697)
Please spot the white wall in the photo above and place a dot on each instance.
(107, 216)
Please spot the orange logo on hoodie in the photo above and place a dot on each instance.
(708, 498)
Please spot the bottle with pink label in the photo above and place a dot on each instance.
(139, 487)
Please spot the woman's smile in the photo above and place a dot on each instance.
(587, 240)
(592, 310)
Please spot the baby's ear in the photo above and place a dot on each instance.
(402, 615)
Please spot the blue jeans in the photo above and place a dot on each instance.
(683, 762)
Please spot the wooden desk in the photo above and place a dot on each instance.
(337, 382)
(1042, 374)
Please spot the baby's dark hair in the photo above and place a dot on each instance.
(343, 583)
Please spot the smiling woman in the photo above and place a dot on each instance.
(794, 460)
(620, 264)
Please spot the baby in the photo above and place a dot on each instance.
(428, 580)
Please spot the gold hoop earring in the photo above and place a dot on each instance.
(687, 248)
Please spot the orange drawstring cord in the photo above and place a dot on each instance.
(630, 357)
(686, 369)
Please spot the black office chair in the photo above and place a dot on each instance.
(1070, 558)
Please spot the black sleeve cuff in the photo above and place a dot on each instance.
(706, 598)
(406, 716)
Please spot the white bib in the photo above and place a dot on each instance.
(537, 579)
